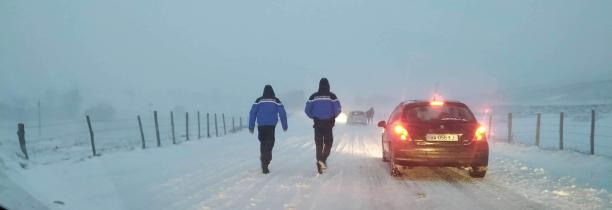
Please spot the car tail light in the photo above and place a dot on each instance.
(436, 103)
(480, 133)
(401, 132)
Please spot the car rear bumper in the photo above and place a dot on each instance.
(357, 121)
(475, 154)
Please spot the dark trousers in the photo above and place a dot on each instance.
(324, 139)
(266, 141)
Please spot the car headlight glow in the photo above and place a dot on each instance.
(341, 118)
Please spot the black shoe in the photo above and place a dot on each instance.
(319, 169)
(264, 169)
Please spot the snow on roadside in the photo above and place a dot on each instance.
(567, 180)
(12, 196)
(589, 170)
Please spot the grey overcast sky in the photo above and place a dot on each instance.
(142, 51)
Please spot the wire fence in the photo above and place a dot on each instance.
(586, 132)
(73, 140)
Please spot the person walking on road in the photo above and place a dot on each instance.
(265, 111)
(323, 107)
(370, 115)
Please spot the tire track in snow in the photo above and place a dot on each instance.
(447, 185)
(196, 185)
(373, 169)
(257, 183)
(425, 179)
(341, 182)
(263, 188)
(321, 184)
(193, 185)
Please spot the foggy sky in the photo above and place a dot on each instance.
(218, 55)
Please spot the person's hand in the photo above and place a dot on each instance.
(285, 129)
(251, 130)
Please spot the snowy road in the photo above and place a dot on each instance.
(224, 173)
(358, 179)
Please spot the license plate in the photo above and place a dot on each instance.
(442, 137)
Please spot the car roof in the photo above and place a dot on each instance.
(426, 102)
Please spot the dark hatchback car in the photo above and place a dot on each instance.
(357, 117)
(436, 134)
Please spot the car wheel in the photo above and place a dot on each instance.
(394, 169)
(478, 171)
(395, 172)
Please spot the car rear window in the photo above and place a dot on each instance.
(357, 113)
(447, 112)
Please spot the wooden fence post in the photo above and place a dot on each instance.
(142, 138)
(172, 125)
(224, 128)
(187, 126)
(156, 129)
(216, 127)
(199, 130)
(510, 127)
(539, 118)
(561, 116)
(22, 141)
(233, 126)
(592, 132)
(91, 135)
(207, 124)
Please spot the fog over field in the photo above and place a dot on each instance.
(137, 56)
(148, 104)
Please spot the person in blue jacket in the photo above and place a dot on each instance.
(265, 111)
(323, 107)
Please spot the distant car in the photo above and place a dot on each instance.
(435, 134)
(357, 117)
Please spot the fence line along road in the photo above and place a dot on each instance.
(67, 138)
(581, 133)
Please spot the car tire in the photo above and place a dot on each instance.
(393, 168)
(478, 171)
(395, 172)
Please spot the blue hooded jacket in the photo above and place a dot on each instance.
(266, 110)
(323, 105)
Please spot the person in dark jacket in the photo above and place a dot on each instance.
(265, 111)
(323, 107)
(370, 115)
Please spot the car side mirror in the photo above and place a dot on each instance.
(382, 124)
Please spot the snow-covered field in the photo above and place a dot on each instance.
(223, 173)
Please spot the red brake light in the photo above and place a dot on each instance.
(436, 103)
(480, 134)
(401, 132)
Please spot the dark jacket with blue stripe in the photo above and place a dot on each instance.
(323, 106)
(266, 110)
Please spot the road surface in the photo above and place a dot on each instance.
(224, 173)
